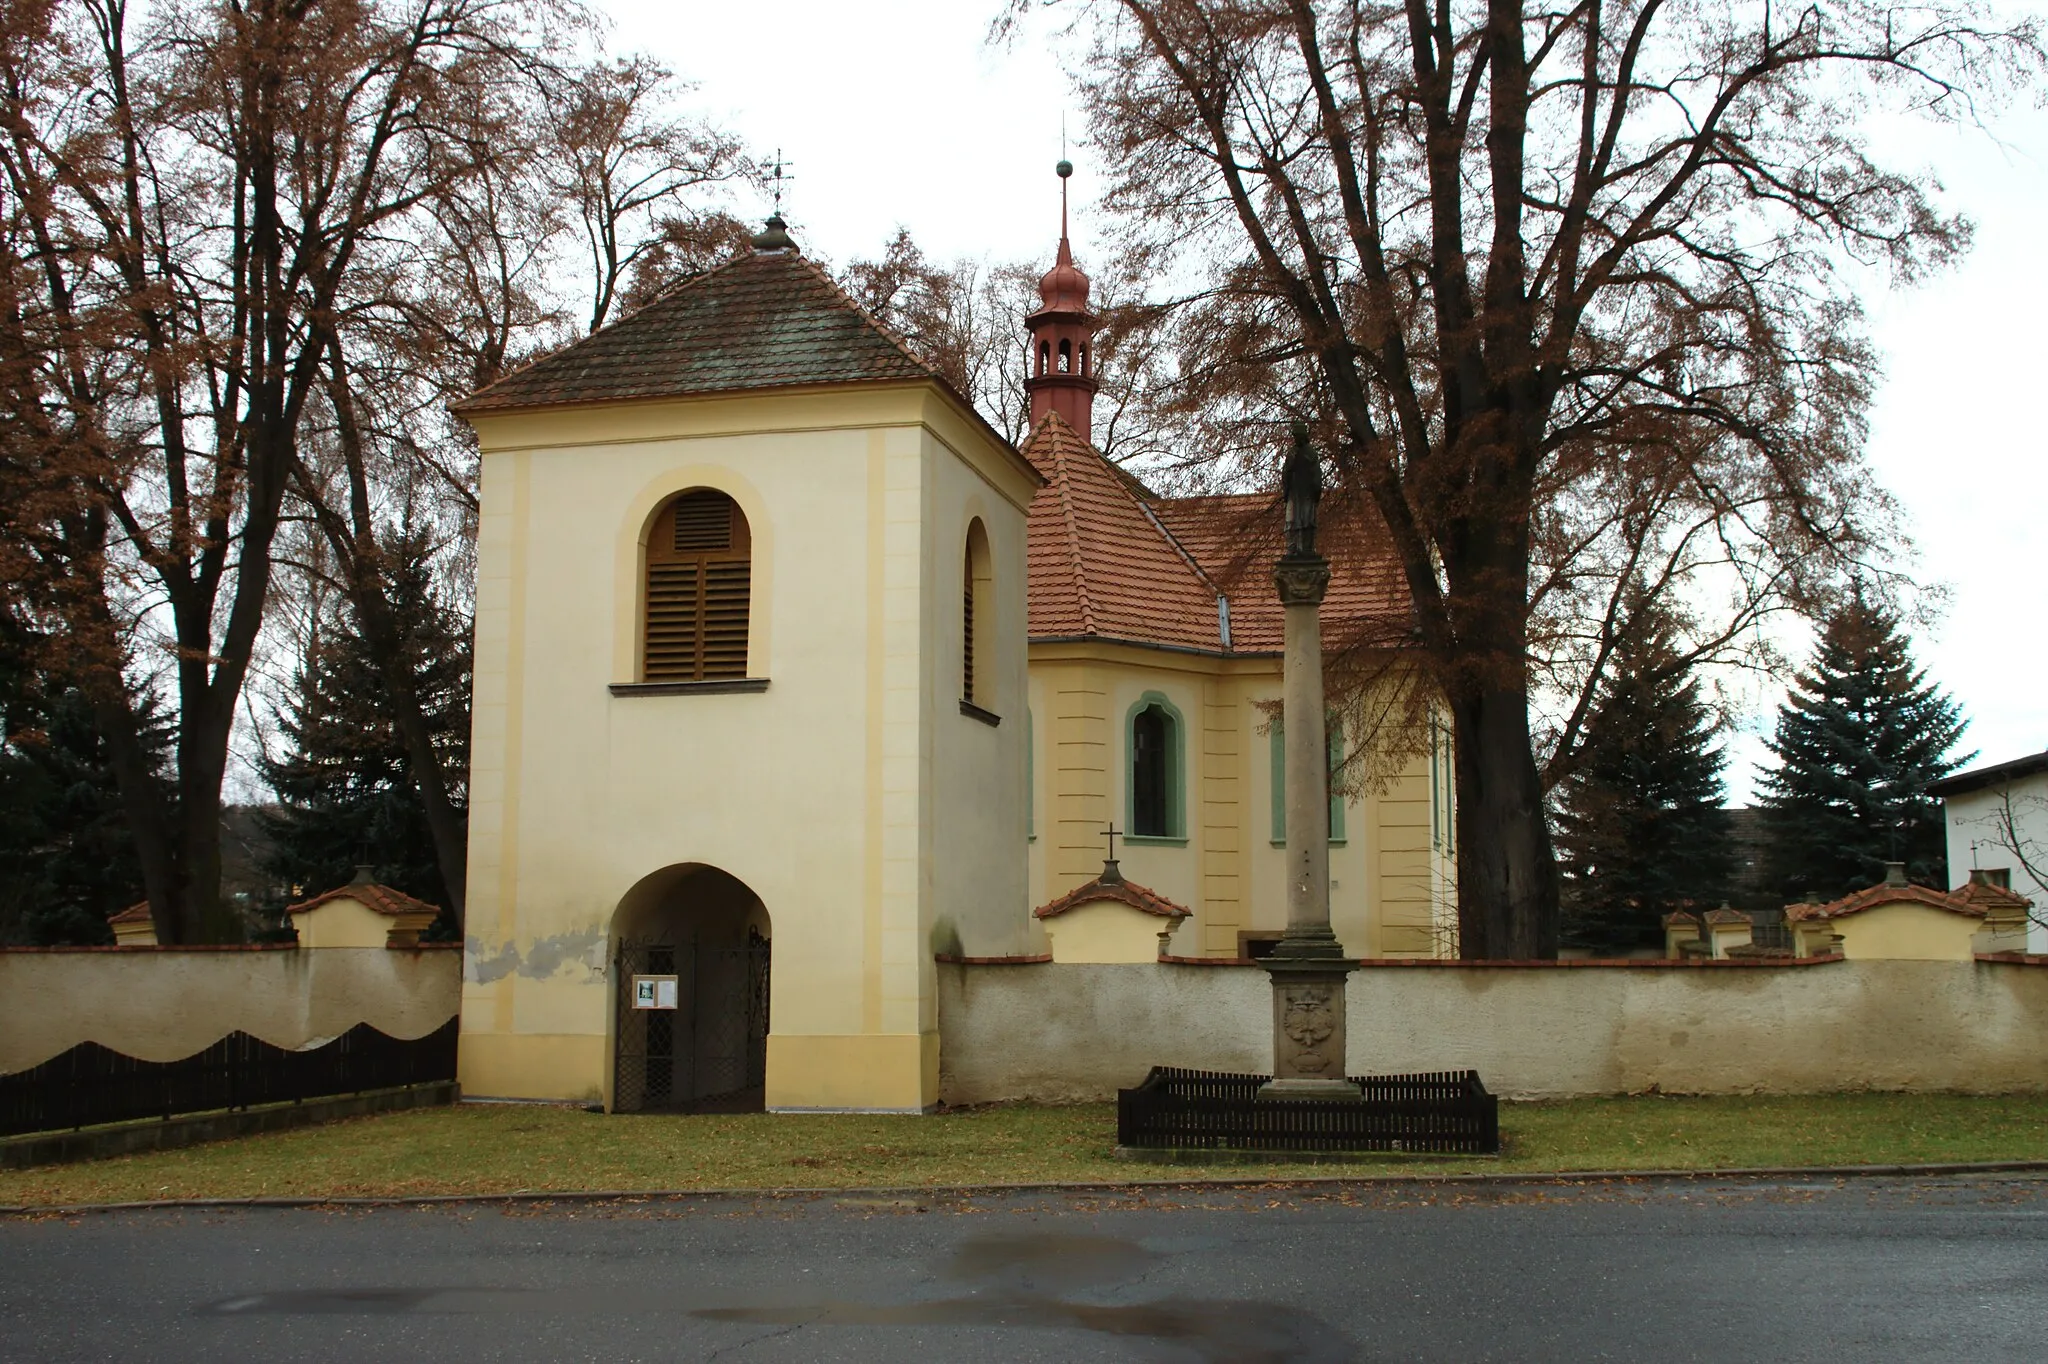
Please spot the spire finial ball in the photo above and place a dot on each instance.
(1064, 169)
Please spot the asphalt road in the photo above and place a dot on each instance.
(1863, 1270)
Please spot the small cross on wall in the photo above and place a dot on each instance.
(1109, 867)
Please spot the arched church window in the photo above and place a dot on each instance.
(699, 588)
(1066, 356)
(1155, 771)
(977, 582)
(1044, 356)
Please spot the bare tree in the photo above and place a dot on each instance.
(624, 160)
(190, 198)
(1562, 291)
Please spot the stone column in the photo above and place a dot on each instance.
(1308, 965)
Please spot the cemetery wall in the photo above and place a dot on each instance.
(165, 1003)
(1064, 1032)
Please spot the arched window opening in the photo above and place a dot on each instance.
(1155, 742)
(1044, 356)
(977, 581)
(1084, 359)
(699, 588)
(1066, 356)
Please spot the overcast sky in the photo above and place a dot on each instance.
(902, 114)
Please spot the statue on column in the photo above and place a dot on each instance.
(1301, 487)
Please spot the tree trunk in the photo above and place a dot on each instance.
(1507, 873)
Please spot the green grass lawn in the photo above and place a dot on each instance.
(494, 1148)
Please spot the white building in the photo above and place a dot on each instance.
(1997, 820)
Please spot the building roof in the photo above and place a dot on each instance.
(1878, 896)
(1987, 897)
(1123, 892)
(769, 319)
(134, 914)
(1995, 774)
(1108, 560)
(381, 899)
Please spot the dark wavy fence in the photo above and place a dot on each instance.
(90, 1084)
(1197, 1110)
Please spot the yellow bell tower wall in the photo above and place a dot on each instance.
(842, 784)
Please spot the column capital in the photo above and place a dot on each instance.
(1301, 579)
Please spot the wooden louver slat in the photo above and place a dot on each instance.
(698, 585)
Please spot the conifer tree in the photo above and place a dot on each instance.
(1858, 741)
(1640, 829)
(67, 858)
(345, 791)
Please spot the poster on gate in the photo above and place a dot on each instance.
(654, 992)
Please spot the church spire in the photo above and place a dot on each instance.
(1060, 374)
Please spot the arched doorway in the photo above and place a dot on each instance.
(690, 957)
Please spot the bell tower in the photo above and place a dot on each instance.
(1060, 375)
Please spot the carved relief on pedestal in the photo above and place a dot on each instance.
(1309, 1021)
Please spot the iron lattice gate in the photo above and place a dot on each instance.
(710, 1052)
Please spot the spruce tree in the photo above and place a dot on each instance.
(1858, 742)
(67, 858)
(343, 783)
(1640, 828)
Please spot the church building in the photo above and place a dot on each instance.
(794, 679)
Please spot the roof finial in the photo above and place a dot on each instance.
(1064, 170)
(776, 237)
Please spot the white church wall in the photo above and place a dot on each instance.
(1976, 839)
(1065, 1033)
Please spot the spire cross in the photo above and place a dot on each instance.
(1112, 831)
(779, 178)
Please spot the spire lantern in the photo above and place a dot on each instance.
(1060, 373)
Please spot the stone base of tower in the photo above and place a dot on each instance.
(865, 1073)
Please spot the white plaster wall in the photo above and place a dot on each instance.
(1973, 840)
(1061, 1033)
(164, 1004)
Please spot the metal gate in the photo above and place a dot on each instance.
(707, 1054)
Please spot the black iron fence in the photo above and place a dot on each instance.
(91, 1084)
(1174, 1109)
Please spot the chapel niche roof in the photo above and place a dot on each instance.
(769, 319)
(1109, 560)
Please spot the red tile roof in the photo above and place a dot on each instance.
(134, 914)
(1985, 896)
(766, 320)
(1876, 897)
(1107, 560)
(1123, 892)
(383, 899)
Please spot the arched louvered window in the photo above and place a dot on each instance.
(977, 578)
(699, 585)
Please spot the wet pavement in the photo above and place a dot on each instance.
(1737, 1271)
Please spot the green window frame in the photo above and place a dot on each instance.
(1175, 776)
(1277, 747)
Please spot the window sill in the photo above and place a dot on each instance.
(1155, 840)
(1335, 842)
(974, 712)
(720, 686)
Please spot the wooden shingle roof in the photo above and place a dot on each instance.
(770, 319)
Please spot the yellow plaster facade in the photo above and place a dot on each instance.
(873, 819)
(1906, 931)
(347, 922)
(1107, 932)
(1389, 875)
